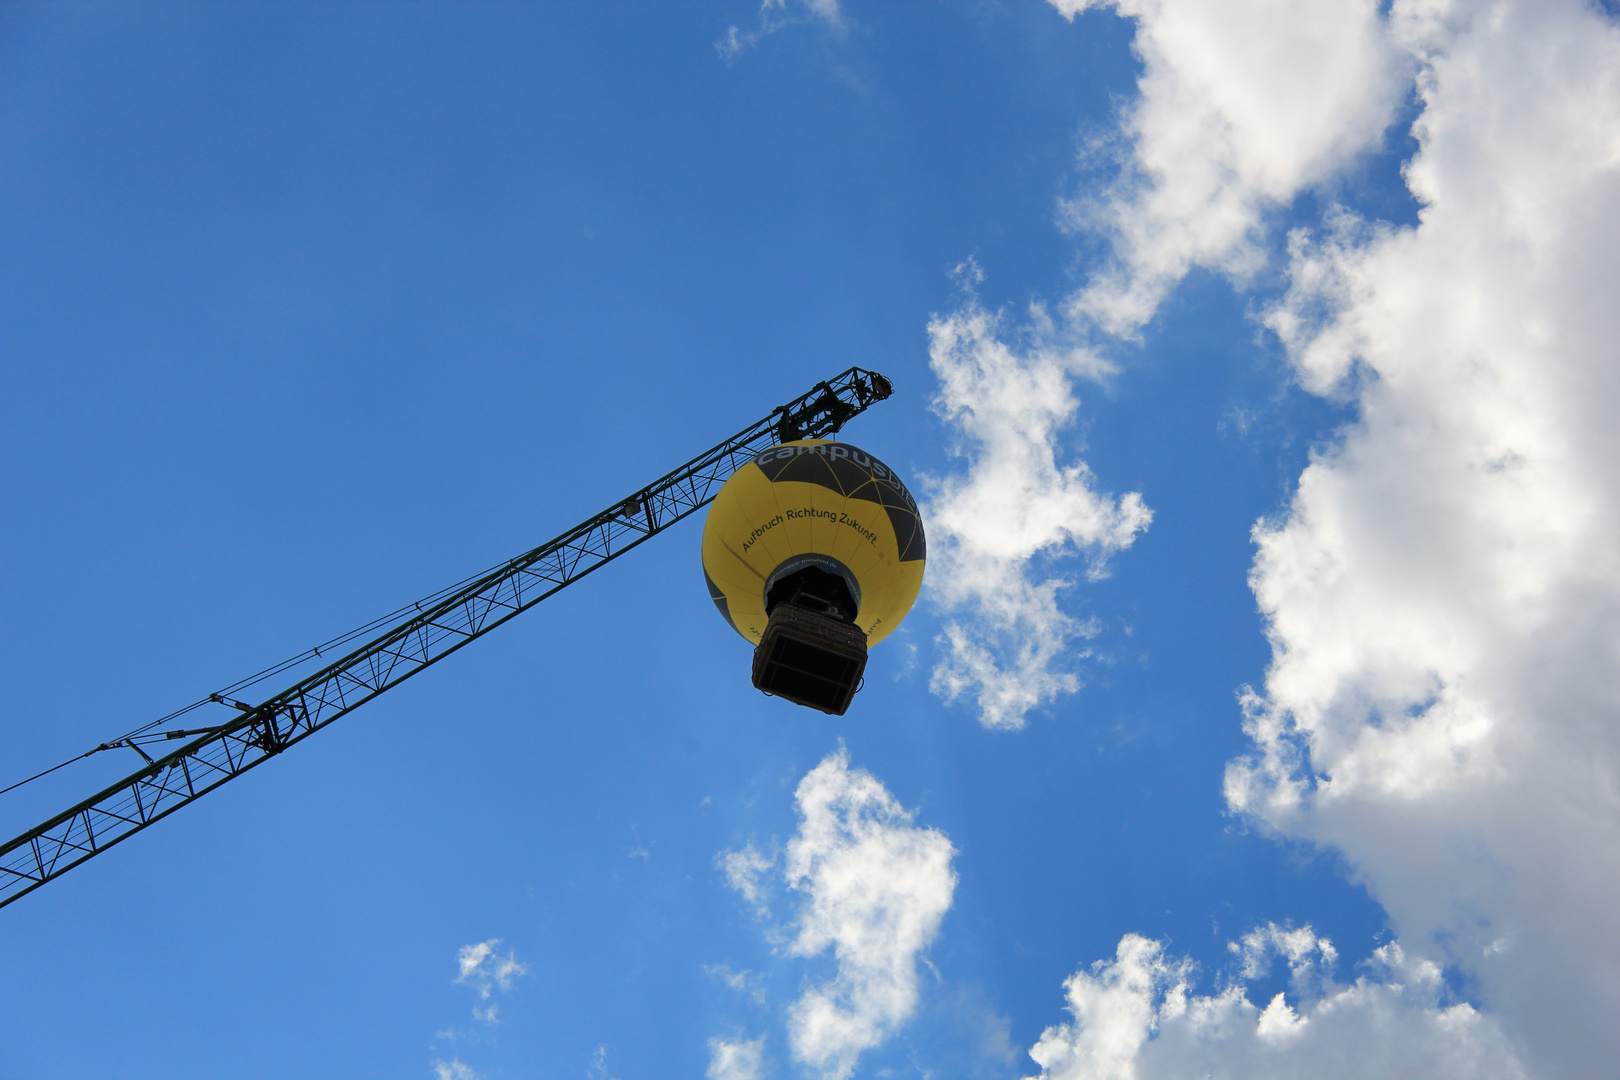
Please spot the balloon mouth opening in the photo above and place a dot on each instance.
(818, 583)
(812, 653)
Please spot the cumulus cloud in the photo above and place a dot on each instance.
(1442, 594)
(775, 15)
(873, 888)
(739, 1060)
(1018, 503)
(1240, 106)
(1136, 1018)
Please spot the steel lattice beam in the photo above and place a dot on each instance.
(438, 628)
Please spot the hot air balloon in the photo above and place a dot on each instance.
(813, 551)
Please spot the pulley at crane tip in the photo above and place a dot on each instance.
(813, 551)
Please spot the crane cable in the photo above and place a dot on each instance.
(220, 697)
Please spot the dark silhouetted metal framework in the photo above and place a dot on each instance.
(415, 637)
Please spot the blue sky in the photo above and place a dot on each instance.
(307, 311)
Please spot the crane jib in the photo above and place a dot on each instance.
(424, 634)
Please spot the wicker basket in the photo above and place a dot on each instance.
(810, 659)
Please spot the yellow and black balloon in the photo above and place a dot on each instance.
(813, 503)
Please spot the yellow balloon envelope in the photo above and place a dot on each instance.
(814, 503)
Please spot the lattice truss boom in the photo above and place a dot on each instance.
(429, 631)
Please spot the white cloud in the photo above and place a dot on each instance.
(1241, 105)
(599, 1067)
(1135, 1018)
(1443, 592)
(740, 1060)
(485, 970)
(1307, 954)
(1017, 503)
(745, 871)
(874, 887)
(482, 968)
(454, 1069)
(777, 14)
(744, 982)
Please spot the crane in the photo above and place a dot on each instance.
(404, 643)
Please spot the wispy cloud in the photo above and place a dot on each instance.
(454, 1069)
(873, 887)
(599, 1066)
(745, 871)
(485, 970)
(736, 1060)
(1136, 1018)
(775, 15)
(1007, 394)
(746, 982)
(1308, 957)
